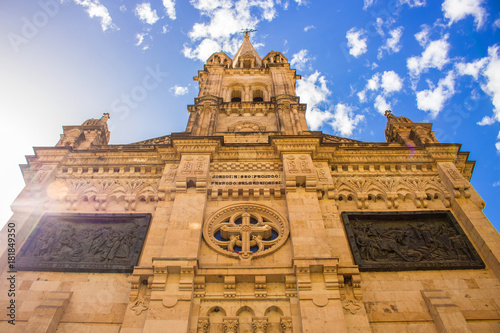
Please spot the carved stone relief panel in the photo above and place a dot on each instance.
(323, 173)
(194, 165)
(298, 164)
(108, 243)
(396, 241)
(299, 171)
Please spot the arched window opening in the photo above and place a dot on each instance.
(258, 96)
(236, 96)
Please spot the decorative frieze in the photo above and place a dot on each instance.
(392, 190)
(101, 192)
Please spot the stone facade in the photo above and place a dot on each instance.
(246, 229)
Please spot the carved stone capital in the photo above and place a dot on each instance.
(259, 324)
(230, 324)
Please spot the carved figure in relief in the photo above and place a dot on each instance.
(410, 243)
(68, 243)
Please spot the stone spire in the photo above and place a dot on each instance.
(247, 55)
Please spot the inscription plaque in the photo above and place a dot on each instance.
(397, 241)
(106, 243)
(246, 180)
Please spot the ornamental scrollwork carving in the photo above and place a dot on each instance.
(391, 190)
(102, 192)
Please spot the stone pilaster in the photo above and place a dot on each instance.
(467, 207)
(447, 316)
(46, 316)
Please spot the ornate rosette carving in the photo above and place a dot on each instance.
(246, 231)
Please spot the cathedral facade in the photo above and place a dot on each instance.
(249, 222)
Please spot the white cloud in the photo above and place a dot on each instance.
(391, 82)
(367, 3)
(362, 96)
(471, 68)
(144, 12)
(309, 27)
(313, 91)
(486, 121)
(299, 60)
(203, 51)
(123, 8)
(423, 36)
(226, 20)
(374, 82)
(495, 184)
(170, 8)
(95, 9)
(492, 76)
(378, 26)
(497, 146)
(344, 120)
(496, 24)
(316, 118)
(381, 104)
(392, 44)
(434, 98)
(356, 40)
(179, 90)
(412, 3)
(140, 38)
(434, 56)
(456, 10)
(164, 29)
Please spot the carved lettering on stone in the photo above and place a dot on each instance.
(85, 243)
(409, 241)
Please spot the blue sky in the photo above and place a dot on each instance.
(432, 61)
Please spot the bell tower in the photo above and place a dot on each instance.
(247, 98)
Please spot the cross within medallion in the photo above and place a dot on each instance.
(246, 235)
(245, 231)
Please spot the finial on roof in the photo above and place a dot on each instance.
(247, 31)
(392, 118)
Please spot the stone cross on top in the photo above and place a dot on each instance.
(247, 31)
(246, 234)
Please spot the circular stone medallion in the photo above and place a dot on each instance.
(246, 230)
